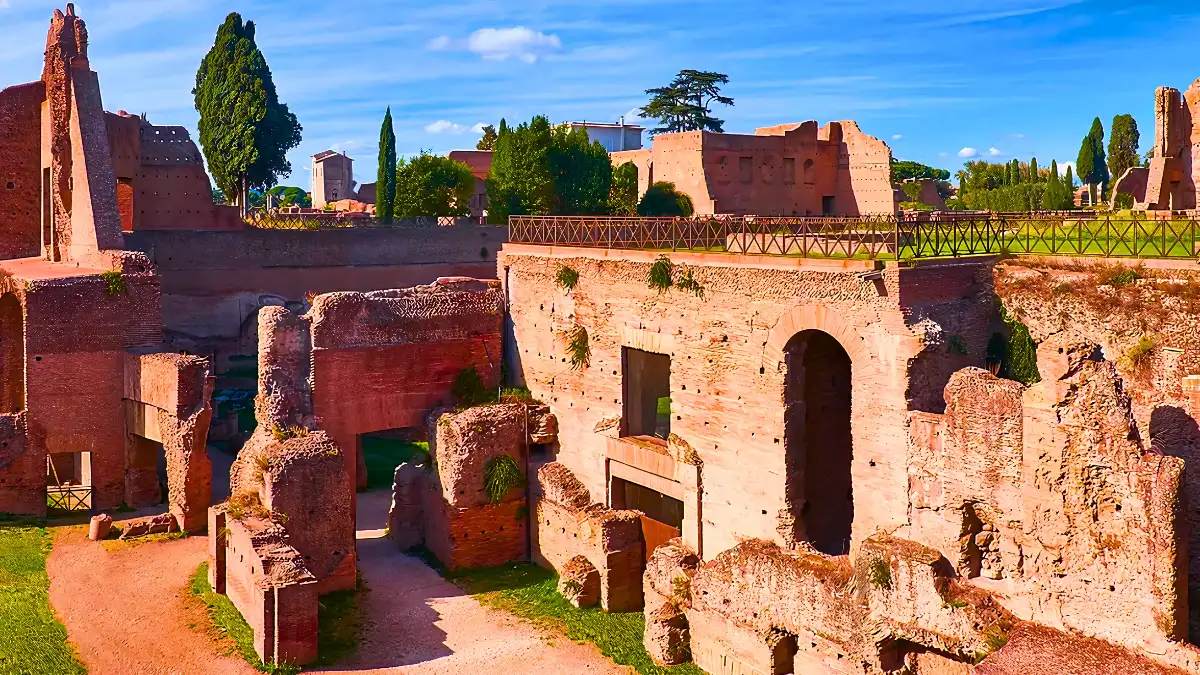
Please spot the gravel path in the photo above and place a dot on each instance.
(127, 612)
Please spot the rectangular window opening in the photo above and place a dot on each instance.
(647, 384)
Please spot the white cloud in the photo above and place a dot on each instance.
(995, 152)
(438, 44)
(499, 44)
(1017, 136)
(897, 137)
(345, 146)
(3, 4)
(448, 127)
(1062, 169)
(968, 152)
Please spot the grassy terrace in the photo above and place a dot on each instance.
(31, 638)
(530, 592)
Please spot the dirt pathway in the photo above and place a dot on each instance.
(127, 611)
(421, 624)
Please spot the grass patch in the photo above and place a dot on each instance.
(31, 639)
(112, 543)
(530, 592)
(339, 625)
(383, 455)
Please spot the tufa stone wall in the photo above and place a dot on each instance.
(1172, 181)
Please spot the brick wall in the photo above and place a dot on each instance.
(20, 173)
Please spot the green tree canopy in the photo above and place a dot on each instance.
(385, 185)
(581, 171)
(903, 170)
(488, 142)
(1123, 142)
(291, 196)
(245, 131)
(1091, 163)
(519, 181)
(429, 185)
(684, 105)
(622, 197)
(661, 199)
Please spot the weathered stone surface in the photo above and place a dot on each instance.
(140, 527)
(406, 516)
(667, 638)
(579, 582)
(543, 425)
(464, 444)
(99, 526)
(560, 485)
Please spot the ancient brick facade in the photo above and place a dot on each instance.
(1172, 181)
(785, 170)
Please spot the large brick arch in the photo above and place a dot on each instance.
(814, 317)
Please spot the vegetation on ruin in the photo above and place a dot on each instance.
(1117, 274)
(31, 639)
(995, 637)
(385, 178)
(499, 476)
(662, 199)
(1020, 353)
(688, 284)
(579, 353)
(685, 104)
(659, 277)
(530, 592)
(287, 433)
(114, 282)
(1140, 357)
(538, 169)
(246, 504)
(245, 131)
(958, 345)
(623, 195)
(431, 185)
(880, 574)
(469, 390)
(566, 277)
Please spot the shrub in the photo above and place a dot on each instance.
(578, 350)
(1020, 358)
(880, 574)
(1117, 275)
(659, 276)
(688, 284)
(114, 282)
(469, 391)
(958, 345)
(662, 199)
(501, 475)
(566, 277)
(282, 434)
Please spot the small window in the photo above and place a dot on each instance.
(809, 172)
(746, 168)
(789, 170)
(827, 206)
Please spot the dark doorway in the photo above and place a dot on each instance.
(662, 515)
(827, 206)
(819, 441)
(647, 384)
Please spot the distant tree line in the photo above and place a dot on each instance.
(1014, 186)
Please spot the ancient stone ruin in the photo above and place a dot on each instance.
(1172, 181)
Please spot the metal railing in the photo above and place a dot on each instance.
(69, 497)
(937, 235)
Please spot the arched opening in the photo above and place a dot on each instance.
(819, 443)
(809, 172)
(12, 355)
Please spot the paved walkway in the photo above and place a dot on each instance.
(126, 613)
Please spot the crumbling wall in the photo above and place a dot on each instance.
(1172, 181)
(728, 372)
(1048, 494)
(167, 401)
(20, 174)
(446, 507)
(570, 525)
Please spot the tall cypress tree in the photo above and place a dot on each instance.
(245, 131)
(1033, 170)
(385, 185)
(1017, 177)
(1123, 142)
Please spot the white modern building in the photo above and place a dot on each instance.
(614, 137)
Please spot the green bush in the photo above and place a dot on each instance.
(662, 199)
(566, 277)
(659, 276)
(114, 282)
(1020, 359)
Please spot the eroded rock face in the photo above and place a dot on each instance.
(465, 443)
(579, 582)
(667, 638)
(560, 485)
(543, 425)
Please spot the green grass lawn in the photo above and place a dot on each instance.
(530, 592)
(383, 455)
(339, 622)
(32, 641)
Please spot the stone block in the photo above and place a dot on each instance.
(99, 526)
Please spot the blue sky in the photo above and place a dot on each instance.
(1007, 78)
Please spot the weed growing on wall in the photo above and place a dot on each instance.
(688, 284)
(1140, 357)
(880, 574)
(282, 434)
(659, 276)
(1020, 359)
(501, 475)
(566, 277)
(1117, 275)
(578, 351)
(469, 391)
(958, 345)
(114, 282)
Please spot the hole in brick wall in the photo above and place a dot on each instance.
(12, 185)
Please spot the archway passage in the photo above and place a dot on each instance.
(819, 441)
(12, 355)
